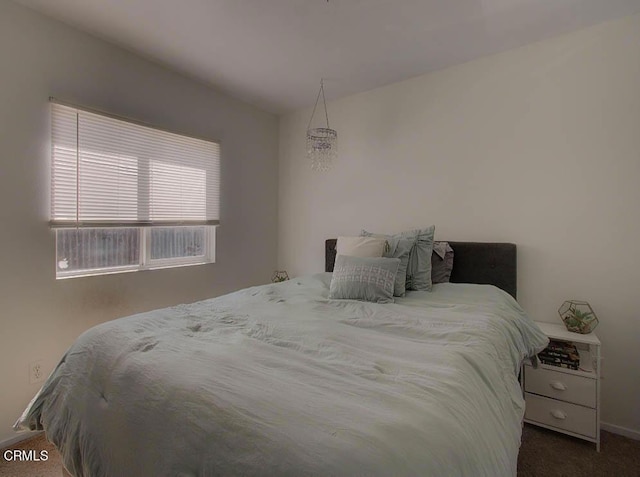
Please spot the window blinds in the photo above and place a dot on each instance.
(112, 172)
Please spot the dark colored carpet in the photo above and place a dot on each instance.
(546, 453)
(543, 454)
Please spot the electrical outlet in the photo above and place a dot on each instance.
(36, 372)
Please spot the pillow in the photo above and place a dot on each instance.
(394, 240)
(364, 278)
(400, 248)
(419, 266)
(441, 262)
(361, 246)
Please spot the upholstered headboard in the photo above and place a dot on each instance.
(473, 262)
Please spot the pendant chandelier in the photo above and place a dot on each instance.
(322, 143)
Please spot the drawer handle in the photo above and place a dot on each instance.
(558, 414)
(558, 386)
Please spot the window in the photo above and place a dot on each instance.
(128, 197)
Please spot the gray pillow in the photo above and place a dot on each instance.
(364, 278)
(419, 265)
(397, 244)
(441, 262)
(400, 248)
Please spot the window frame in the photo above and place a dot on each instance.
(144, 225)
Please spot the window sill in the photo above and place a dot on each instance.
(113, 271)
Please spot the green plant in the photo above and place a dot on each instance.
(578, 316)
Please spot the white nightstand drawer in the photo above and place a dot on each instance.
(558, 385)
(561, 415)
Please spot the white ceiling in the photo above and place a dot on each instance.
(272, 53)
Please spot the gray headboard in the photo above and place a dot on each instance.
(489, 263)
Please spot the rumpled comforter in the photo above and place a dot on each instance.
(278, 380)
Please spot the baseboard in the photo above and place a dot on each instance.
(621, 431)
(19, 437)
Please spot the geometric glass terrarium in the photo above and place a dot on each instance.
(279, 276)
(578, 316)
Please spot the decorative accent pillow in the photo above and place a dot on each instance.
(441, 262)
(419, 265)
(364, 278)
(361, 246)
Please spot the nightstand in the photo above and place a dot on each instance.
(562, 399)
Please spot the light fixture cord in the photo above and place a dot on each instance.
(324, 101)
(326, 115)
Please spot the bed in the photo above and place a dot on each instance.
(280, 380)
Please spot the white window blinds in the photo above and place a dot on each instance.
(112, 172)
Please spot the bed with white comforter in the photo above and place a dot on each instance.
(278, 380)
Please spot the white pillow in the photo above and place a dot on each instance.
(361, 246)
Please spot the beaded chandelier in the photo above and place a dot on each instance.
(322, 143)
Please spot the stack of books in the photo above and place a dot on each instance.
(560, 353)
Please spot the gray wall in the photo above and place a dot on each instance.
(39, 316)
